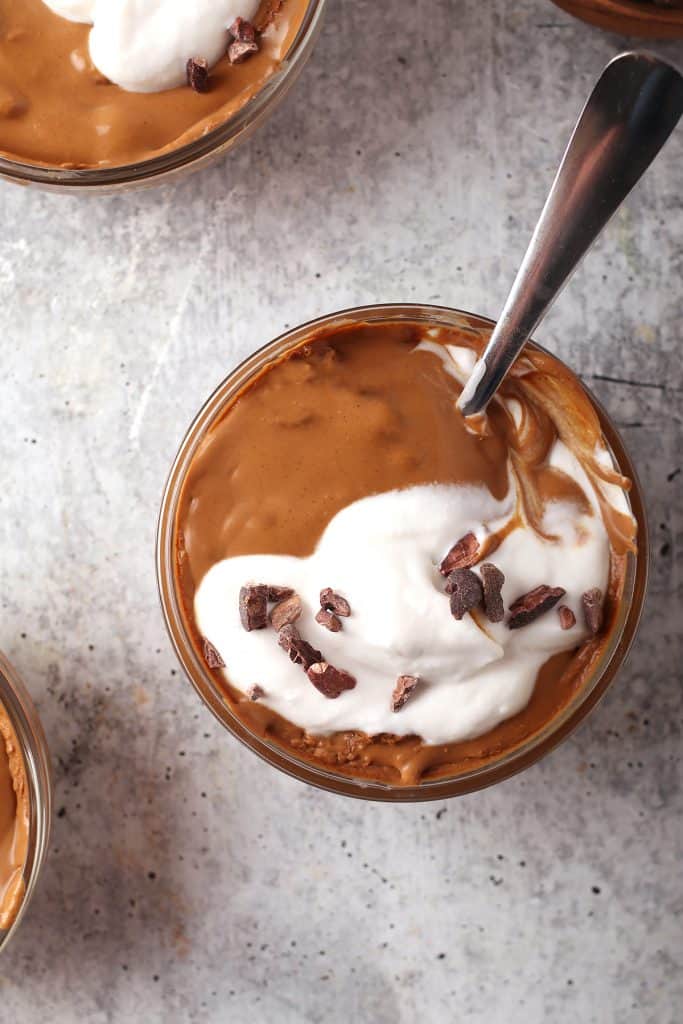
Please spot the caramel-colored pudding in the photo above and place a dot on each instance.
(361, 411)
(14, 823)
(57, 110)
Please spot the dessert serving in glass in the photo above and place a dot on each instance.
(379, 596)
(117, 94)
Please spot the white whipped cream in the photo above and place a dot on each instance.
(382, 553)
(144, 45)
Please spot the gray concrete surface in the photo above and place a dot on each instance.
(188, 881)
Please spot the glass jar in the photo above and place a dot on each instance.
(209, 690)
(646, 18)
(23, 717)
(193, 155)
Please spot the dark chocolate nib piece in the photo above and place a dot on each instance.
(299, 650)
(279, 593)
(592, 609)
(286, 611)
(462, 555)
(198, 74)
(242, 30)
(254, 606)
(531, 606)
(405, 687)
(466, 591)
(492, 582)
(329, 620)
(567, 617)
(238, 51)
(329, 680)
(330, 601)
(211, 655)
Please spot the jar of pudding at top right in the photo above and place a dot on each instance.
(380, 597)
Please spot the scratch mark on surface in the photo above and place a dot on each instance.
(630, 383)
(133, 262)
(173, 334)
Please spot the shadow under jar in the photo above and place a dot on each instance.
(373, 390)
(25, 800)
(64, 127)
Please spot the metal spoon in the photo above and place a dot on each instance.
(630, 114)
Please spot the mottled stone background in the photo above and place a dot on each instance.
(187, 880)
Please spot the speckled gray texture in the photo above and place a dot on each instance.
(187, 880)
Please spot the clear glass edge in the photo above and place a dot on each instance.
(31, 737)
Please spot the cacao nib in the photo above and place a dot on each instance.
(462, 555)
(254, 606)
(492, 580)
(531, 606)
(279, 593)
(242, 30)
(405, 687)
(333, 602)
(298, 649)
(286, 611)
(211, 655)
(329, 620)
(567, 617)
(466, 592)
(197, 70)
(329, 680)
(238, 51)
(592, 609)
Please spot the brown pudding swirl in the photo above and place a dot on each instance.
(14, 823)
(357, 411)
(57, 110)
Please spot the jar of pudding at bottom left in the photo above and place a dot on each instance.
(25, 799)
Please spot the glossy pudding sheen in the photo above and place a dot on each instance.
(57, 109)
(14, 823)
(346, 466)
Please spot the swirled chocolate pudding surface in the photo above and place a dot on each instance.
(57, 108)
(382, 589)
(14, 822)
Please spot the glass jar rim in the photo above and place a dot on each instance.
(28, 730)
(192, 154)
(515, 760)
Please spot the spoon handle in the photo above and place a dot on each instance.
(630, 114)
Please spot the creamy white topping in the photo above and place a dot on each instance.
(144, 45)
(382, 553)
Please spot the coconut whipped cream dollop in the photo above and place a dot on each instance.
(382, 554)
(144, 45)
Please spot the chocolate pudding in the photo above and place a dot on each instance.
(14, 823)
(59, 109)
(380, 587)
